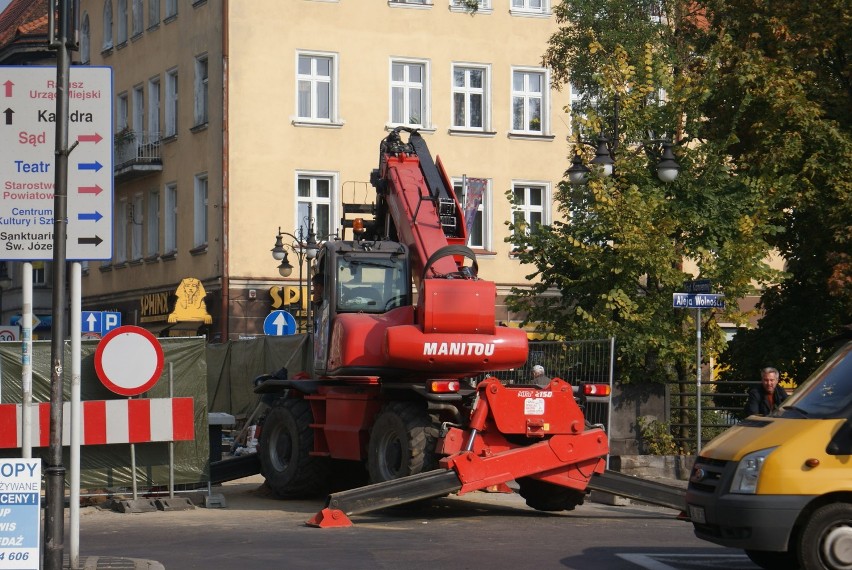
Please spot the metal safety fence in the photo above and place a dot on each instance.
(576, 361)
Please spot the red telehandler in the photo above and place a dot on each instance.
(391, 379)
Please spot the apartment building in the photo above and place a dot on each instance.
(237, 120)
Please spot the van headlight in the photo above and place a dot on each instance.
(748, 471)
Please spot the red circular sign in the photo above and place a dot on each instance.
(129, 360)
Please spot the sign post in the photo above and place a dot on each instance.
(697, 296)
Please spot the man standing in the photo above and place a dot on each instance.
(763, 399)
(539, 378)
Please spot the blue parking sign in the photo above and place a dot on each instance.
(99, 322)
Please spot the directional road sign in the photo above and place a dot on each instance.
(697, 301)
(279, 323)
(28, 168)
(100, 322)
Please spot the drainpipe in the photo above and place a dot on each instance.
(224, 316)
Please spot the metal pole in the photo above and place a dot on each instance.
(27, 359)
(698, 383)
(76, 418)
(611, 377)
(172, 443)
(55, 470)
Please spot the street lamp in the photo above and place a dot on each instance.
(304, 246)
(605, 152)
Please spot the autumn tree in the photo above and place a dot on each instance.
(764, 157)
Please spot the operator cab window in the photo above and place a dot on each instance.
(370, 285)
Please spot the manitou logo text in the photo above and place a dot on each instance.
(458, 348)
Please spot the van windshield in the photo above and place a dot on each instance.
(827, 393)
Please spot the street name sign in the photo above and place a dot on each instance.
(697, 301)
(28, 166)
(697, 286)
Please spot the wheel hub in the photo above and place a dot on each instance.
(837, 548)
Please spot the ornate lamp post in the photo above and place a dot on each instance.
(605, 154)
(304, 246)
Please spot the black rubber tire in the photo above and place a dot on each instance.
(286, 440)
(773, 560)
(826, 538)
(402, 442)
(543, 496)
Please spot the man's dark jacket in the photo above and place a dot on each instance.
(759, 404)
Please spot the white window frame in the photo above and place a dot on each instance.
(139, 110)
(107, 25)
(527, 96)
(407, 85)
(458, 6)
(527, 8)
(485, 92)
(154, 130)
(200, 211)
(39, 273)
(410, 3)
(137, 221)
(121, 111)
(202, 99)
(315, 81)
(171, 111)
(307, 205)
(484, 210)
(138, 19)
(153, 13)
(171, 215)
(121, 29)
(526, 208)
(152, 223)
(121, 231)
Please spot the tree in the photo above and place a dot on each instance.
(790, 66)
(764, 150)
(617, 254)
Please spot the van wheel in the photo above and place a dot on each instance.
(402, 442)
(826, 540)
(773, 560)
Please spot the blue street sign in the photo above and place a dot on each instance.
(110, 320)
(697, 301)
(279, 323)
(99, 322)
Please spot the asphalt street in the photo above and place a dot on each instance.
(476, 530)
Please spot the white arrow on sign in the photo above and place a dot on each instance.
(91, 321)
(280, 322)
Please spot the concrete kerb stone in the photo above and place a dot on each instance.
(113, 563)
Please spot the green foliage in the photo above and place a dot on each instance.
(764, 167)
(657, 438)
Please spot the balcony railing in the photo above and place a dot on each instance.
(137, 153)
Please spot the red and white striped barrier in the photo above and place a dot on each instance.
(105, 421)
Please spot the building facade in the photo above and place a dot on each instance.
(237, 121)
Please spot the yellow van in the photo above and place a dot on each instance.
(780, 486)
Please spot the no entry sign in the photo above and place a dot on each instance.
(129, 360)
